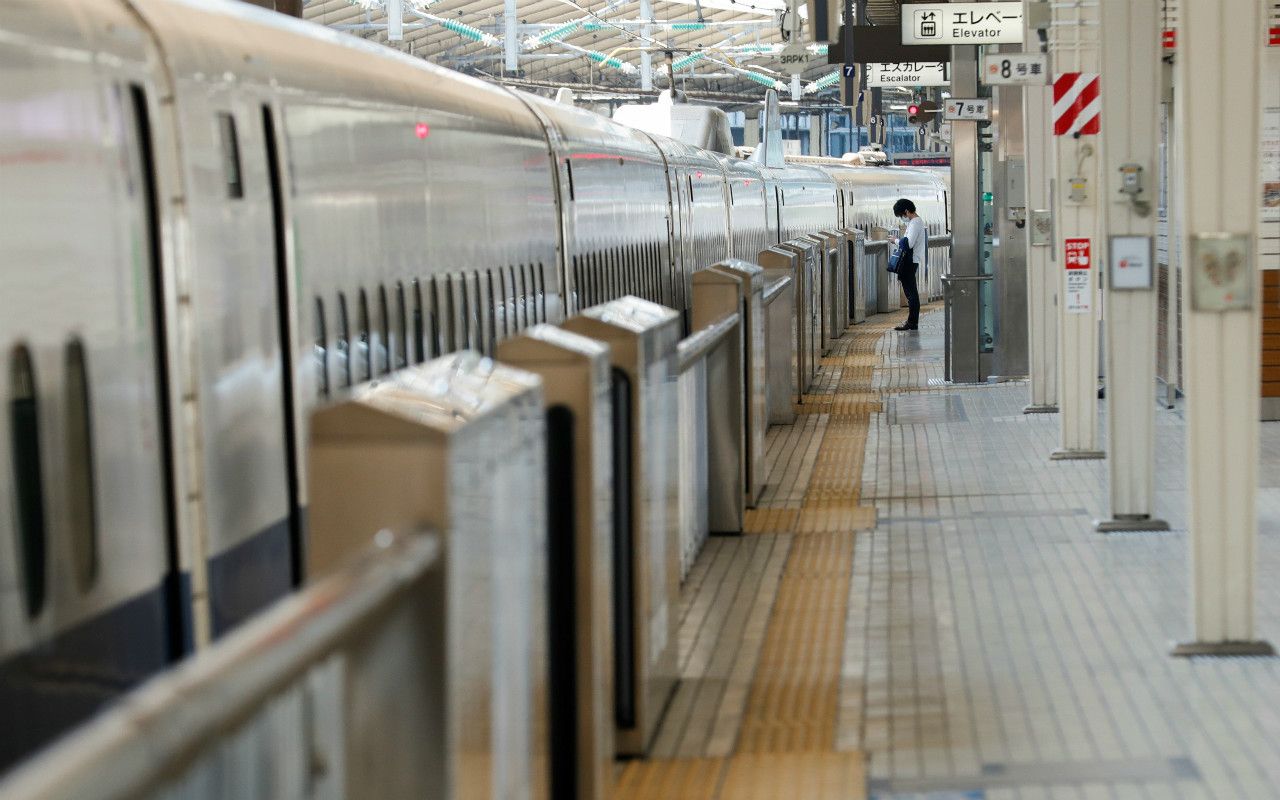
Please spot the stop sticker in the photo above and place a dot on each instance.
(1078, 256)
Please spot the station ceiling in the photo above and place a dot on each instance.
(722, 51)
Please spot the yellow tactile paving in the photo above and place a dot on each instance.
(670, 779)
(794, 776)
(785, 748)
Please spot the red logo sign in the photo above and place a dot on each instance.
(1169, 39)
(1274, 39)
(1078, 256)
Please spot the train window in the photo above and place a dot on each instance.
(402, 329)
(321, 352)
(464, 341)
(230, 156)
(449, 316)
(28, 483)
(491, 306)
(364, 354)
(384, 332)
(501, 304)
(542, 292)
(82, 511)
(344, 340)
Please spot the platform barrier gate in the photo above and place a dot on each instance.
(810, 255)
(411, 665)
(581, 532)
(642, 339)
(781, 380)
(457, 444)
(747, 294)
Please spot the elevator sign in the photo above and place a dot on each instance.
(1079, 293)
(962, 23)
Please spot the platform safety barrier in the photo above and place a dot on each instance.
(582, 529)
(781, 381)
(745, 293)
(642, 339)
(456, 444)
(712, 433)
(334, 692)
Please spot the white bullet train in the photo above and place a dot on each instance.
(214, 218)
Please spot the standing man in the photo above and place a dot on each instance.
(916, 238)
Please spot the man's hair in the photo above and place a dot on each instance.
(903, 206)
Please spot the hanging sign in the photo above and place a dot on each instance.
(795, 57)
(928, 73)
(1015, 68)
(961, 23)
(973, 108)
(1079, 294)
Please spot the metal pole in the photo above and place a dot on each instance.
(511, 40)
(395, 20)
(962, 286)
(1217, 70)
(646, 58)
(1074, 47)
(1042, 311)
(1128, 194)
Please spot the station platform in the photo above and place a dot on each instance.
(921, 609)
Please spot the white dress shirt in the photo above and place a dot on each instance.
(918, 240)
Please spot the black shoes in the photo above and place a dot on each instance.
(906, 328)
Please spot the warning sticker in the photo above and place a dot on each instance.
(1079, 290)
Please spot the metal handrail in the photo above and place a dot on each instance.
(697, 344)
(775, 288)
(162, 728)
(954, 278)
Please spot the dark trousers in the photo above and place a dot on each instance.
(908, 278)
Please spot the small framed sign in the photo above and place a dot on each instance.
(1130, 259)
(1222, 274)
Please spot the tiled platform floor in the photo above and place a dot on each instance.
(994, 646)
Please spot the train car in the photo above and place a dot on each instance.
(268, 213)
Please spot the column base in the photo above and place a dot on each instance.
(1076, 455)
(1122, 523)
(1040, 409)
(1222, 649)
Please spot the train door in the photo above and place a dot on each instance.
(88, 596)
(250, 506)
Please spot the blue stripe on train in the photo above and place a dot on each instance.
(60, 683)
(250, 576)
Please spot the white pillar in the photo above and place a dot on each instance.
(646, 58)
(395, 20)
(751, 128)
(1042, 268)
(1218, 71)
(1128, 195)
(1074, 46)
(511, 42)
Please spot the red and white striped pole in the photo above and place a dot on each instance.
(1074, 49)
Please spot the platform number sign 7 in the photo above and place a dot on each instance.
(850, 69)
